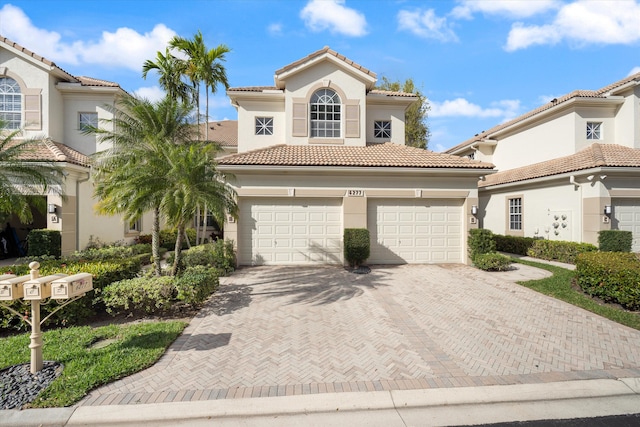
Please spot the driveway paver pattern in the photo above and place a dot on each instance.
(273, 331)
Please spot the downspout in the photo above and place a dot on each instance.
(78, 182)
(572, 180)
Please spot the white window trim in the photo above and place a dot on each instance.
(340, 121)
(80, 124)
(376, 124)
(520, 215)
(133, 227)
(590, 131)
(263, 126)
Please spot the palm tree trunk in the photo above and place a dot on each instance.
(204, 225)
(178, 251)
(155, 241)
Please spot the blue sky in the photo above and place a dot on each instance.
(480, 63)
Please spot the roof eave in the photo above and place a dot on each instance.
(565, 175)
(357, 169)
(282, 75)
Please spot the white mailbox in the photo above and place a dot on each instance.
(71, 286)
(40, 288)
(11, 286)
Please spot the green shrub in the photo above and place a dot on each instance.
(44, 242)
(196, 283)
(168, 238)
(615, 240)
(357, 246)
(103, 272)
(110, 252)
(514, 244)
(144, 238)
(611, 276)
(492, 262)
(142, 294)
(219, 254)
(480, 242)
(557, 250)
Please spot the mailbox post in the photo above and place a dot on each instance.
(59, 287)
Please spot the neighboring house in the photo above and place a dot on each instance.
(53, 106)
(567, 169)
(321, 151)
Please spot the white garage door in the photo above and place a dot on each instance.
(626, 216)
(290, 231)
(415, 230)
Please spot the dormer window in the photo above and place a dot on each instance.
(382, 129)
(10, 103)
(325, 114)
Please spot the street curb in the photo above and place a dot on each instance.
(461, 405)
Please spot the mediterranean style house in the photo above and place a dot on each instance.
(53, 106)
(567, 169)
(322, 150)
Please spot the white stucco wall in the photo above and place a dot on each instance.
(394, 113)
(330, 75)
(540, 208)
(603, 115)
(76, 103)
(627, 119)
(248, 110)
(546, 140)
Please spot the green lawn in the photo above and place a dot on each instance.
(559, 286)
(134, 347)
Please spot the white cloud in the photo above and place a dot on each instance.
(634, 70)
(333, 15)
(275, 29)
(152, 93)
(425, 23)
(509, 8)
(460, 107)
(123, 48)
(582, 23)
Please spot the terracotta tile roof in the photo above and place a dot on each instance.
(224, 132)
(320, 52)
(251, 89)
(600, 93)
(392, 93)
(32, 54)
(90, 81)
(595, 155)
(47, 150)
(375, 155)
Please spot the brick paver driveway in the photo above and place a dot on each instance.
(290, 330)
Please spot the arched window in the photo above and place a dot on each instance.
(325, 114)
(10, 102)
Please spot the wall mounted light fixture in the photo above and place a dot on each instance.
(51, 208)
(607, 210)
(474, 210)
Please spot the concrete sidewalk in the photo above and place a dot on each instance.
(434, 407)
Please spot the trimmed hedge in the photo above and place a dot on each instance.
(357, 246)
(219, 254)
(44, 242)
(480, 242)
(196, 283)
(168, 238)
(615, 240)
(558, 250)
(143, 294)
(492, 262)
(514, 244)
(610, 276)
(104, 273)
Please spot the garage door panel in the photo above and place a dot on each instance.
(626, 216)
(290, 231)
(415, 231)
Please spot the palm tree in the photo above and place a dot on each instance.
(131, 175)
(171, 71)
(202, 65)
(20, 178)
(192, 182)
